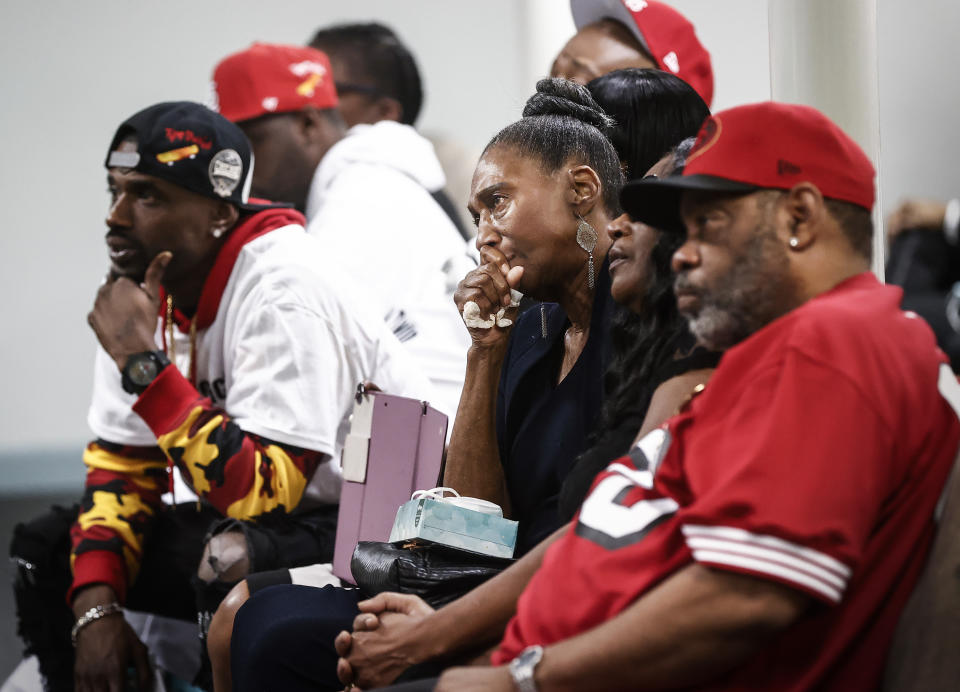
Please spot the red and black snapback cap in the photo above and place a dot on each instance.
(189, 145)
(765, 145)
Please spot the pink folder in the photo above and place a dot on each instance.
(395, 446)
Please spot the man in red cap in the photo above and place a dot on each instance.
(617, 34)
(769, 534)
(366, 193)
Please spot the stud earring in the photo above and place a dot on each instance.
(794, 241)
(216, 232)
(587, 239)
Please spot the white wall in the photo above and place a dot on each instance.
(919, 99)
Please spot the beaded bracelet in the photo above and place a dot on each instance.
(92, 615)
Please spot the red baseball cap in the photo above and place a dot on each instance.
(268, 78)
(663, 32)
(758, 146)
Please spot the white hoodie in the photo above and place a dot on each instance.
(371, 208)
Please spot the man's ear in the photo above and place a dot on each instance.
(318, 129)
(803, 204)
(388, 109)
(584, 189)
(224, 216)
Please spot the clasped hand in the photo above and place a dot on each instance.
(386, 640)
(488, 286)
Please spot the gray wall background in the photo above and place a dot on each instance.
(71, 71)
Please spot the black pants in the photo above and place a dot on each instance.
(166, 583)
(283, 640)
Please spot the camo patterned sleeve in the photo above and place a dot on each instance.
(123, 489)
(241, 474)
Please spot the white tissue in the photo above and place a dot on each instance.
(474, 320)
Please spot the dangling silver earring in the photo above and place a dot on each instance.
(216, 232)
(587, 239)
(543, 320)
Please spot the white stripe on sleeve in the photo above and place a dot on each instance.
(735, 547)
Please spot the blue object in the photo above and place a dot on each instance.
(435, 521)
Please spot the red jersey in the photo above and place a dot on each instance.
(814, 458)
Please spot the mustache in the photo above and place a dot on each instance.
(681, 284)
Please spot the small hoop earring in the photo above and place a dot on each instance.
(587, 239)
(794, 241)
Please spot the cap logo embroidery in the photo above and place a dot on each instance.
(786, 168)
(672, 61)
(636, 5)
(270, 103)
(309, 85)
(709, 134)
(308, 67)
(225, 172)
(174, 155)
(187, 136)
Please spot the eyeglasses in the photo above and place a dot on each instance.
(350, 88)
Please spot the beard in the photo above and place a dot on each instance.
(746, 298)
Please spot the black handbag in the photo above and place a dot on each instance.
(436, 573)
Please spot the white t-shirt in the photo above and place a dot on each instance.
(289, 344)
(370, 206)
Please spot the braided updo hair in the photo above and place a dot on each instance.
(563, 122)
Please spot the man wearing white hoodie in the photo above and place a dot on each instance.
(366, 192)
(377, 79)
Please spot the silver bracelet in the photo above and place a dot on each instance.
(92, 615)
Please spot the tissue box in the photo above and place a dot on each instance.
(441, 522)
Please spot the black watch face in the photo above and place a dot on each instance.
(142, 371)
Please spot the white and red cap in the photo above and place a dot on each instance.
(664, 33)
(764, 145)
(270, 78)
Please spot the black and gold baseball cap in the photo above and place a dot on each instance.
(189, 145)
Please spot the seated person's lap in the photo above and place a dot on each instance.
(291, 627)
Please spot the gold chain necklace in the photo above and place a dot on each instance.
(172, 347)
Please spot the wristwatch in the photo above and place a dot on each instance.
(142, 369)
(522, 667)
